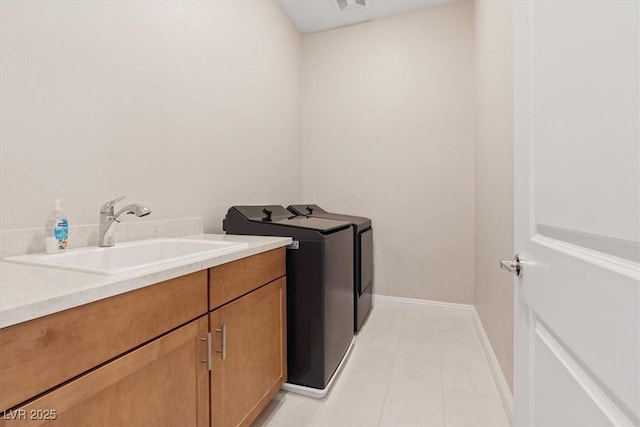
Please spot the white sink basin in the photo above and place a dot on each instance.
(124, 257)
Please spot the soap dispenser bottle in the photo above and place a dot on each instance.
(56, 238)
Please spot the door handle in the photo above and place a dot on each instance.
(207, 341)
(222, 330)
(515, 266)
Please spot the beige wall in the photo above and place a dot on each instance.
(387, 127)
(494, 175)
(188, 107)
(193, 107)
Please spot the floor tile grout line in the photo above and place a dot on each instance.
(395, 361)
(464, 390)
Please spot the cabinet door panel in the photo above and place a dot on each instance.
(163, 383)
(255, 361)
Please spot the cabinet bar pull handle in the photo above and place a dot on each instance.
(207, 339)
(223, 341)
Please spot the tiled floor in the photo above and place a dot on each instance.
(412, 365)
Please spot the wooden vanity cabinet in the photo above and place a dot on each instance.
(248, 327)
(141, 358)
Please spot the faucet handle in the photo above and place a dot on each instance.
(108, 207)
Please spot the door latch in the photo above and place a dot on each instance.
(515, 266)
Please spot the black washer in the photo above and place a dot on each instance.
(319, 287)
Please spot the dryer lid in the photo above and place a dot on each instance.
(275, 214)
(315, 211)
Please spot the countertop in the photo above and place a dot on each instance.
(28, 292)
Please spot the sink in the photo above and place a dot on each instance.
(125, 257)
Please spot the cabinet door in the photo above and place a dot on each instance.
(163, 383)
(250, 364)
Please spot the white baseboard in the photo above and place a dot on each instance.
(494, 365)
(423, 302)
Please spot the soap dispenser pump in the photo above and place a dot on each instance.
(56, 237)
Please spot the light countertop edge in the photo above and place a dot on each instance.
(29, 292)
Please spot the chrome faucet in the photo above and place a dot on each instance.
(108, 219)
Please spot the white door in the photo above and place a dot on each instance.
(577, 183)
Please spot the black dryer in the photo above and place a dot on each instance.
(362, 255)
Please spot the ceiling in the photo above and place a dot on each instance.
(318, 15)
